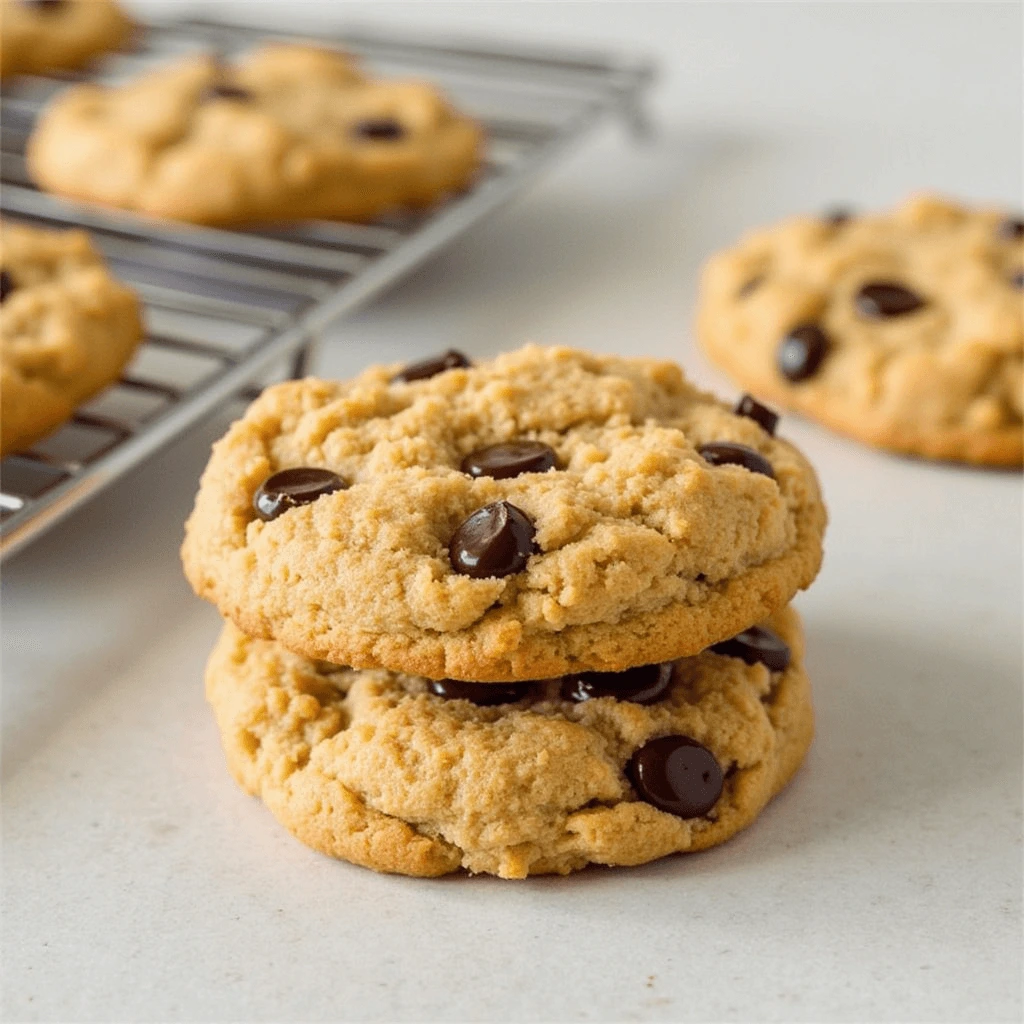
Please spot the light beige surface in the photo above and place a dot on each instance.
(35, 39)
(161, 146)
(944, 382)
(66, 330)
(369, 767)
(646, 551)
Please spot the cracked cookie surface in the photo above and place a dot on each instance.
(289, 132)
(371, 767)
(904, 329)
(67, 328)
(39, 37)
(643, 549)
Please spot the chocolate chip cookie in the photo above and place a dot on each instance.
(402, 774)
(38, 36)
(543, 512)
(289, 132)
(903, 329)
(66, 329)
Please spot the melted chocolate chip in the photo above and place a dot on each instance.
(883, 299)
(646, 684)
(6, 285)
(495, 540)
(1012, 228)
(752, 285)
(676, 774)
(502, 461)
(484, 694)
(45, 5)
(760, 414)
(381, 129)
(837, 215)
(801, 352)
(1017, 280)
(449, 360)
(290, 488)
(225, 91)
(754, 645)
(726, 453)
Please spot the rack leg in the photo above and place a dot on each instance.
(302, 360)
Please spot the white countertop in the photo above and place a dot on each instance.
(885, 884)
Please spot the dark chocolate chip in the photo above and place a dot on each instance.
(726, 453)
(484, 694)
(6, 284)
(1011, 228)
(290, 488)
(1017, 280)
(676, 774)
(225, 91)
(509, 459)
(381, 129)
(449, 360)
(754, 645)
(45, 5)
(882, 299)
(750, 286)
(801, 352)
(495, 540)
(646, 684)
(837, 216)
(753, 410)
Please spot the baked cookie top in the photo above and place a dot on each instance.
(903, 329)
(399, 774)
(37, 36)
(66, 329)
(288, 132)
(541, 512)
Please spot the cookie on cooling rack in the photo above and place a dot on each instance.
(400, 774)
(39, 36)
(67, 328)
(902, 329)
(287, 133)
(543, 512)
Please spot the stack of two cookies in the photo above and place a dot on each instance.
(513, 617)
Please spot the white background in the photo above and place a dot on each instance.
(885, 884)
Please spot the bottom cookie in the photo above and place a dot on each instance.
(400, 774)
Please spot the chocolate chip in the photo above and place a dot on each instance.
(676, 774)
(450, 360)
(754, 645)
(290, 488)
(760, 414)
(225, 91)
(882, 299)
(801, 352)
(837, 216)
(750, 286)
(381, 129)
(646, 684)
(1012, 228)
(1017, 280)
(509, 459)
(726, 453)
(6, 285)
(45, 5)
(495, 540)
(484, 694)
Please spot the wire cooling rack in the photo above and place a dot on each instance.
(226, 308)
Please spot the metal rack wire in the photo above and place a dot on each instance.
(225, 307)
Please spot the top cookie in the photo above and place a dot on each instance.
(290, 132)
(599, 537)
(66, 329)
(903, 329)
(37, 36)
